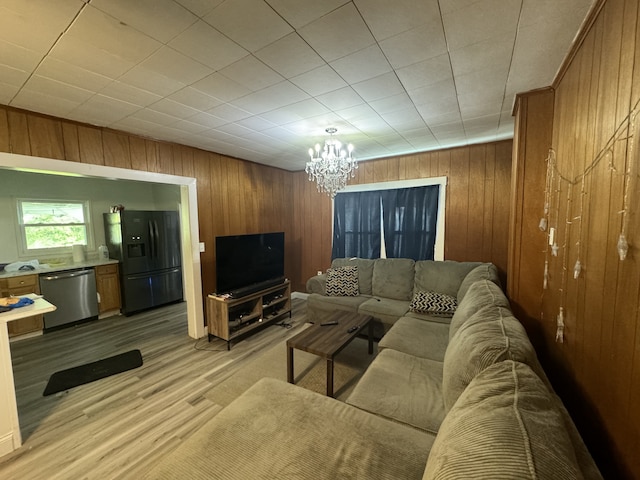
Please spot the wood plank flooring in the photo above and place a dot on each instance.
(119, 426)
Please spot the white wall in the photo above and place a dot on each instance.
(102, 193)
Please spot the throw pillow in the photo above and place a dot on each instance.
(342, 281)
(434, 303)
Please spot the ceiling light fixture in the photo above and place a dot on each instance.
(331, 167)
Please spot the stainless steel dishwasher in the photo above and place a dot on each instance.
(74, 294)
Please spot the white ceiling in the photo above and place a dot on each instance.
(261, 80)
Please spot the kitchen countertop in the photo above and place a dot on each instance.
(39, 306)
(59, 268)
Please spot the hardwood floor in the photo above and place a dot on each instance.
(118, 426)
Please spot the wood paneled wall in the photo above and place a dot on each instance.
(234, 196)
(477, 209)
(596, 140)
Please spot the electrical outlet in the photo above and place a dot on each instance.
(201, 245)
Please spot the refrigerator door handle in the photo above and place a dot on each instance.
(156, 238)
(152, 239)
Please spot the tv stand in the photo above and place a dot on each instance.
(229, 318)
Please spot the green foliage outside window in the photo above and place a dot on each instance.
(53, 224)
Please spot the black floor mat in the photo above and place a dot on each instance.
(72, 377)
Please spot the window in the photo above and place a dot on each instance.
(395, 219)
(53, 226)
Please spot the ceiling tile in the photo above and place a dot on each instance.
(319, 81)
(479, 21)
(340, 99)
(105, 33)
(494, 52)
(146, 79)
(199, 7)
(403, 15)
(228, 112)
(256, 123)
(154, 116)
(160, 19)
(18, 57)
(103, 111)
(362, 65)
(379, 87)
(270, 98)
(299, 13)
(40, 102)
(250, 23)
(290, 56)
(208, 46)
(296, 111)
(207, 120)
(219, 86)
(7, 91)
(18, 17)
(251, 73)
(130, 94)
(13, 77)
(425, 73)
(195, 98)
(94, 59)
(338, 33)
(47, 86)
(406, 119)
(415, 45)
(174, 65)
(173, 108)
(392, 103)
(72, 74)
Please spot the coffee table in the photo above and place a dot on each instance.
(327, 341)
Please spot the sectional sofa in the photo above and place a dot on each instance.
(453, 396)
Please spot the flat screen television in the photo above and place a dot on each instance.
(248, 263)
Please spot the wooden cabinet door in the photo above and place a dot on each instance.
(21, 286)
(108, 286)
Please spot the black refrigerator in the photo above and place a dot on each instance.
(147, 244)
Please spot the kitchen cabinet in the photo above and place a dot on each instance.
(20, 286)
(108, 286)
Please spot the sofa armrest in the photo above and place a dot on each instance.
(317, 284)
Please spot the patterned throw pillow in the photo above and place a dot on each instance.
(434, 303)
(342, 281)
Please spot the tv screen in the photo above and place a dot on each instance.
(246, 261)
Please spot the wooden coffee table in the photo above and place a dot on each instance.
(327, 341)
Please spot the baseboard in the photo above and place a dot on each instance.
(6, 444)
(300, 295)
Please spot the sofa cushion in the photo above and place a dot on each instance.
(433, 303)
(403, 388)
(342, 281)
(504, 425)
(279, 430)
(384, 309)
(485, 271)
(393, 278)
(490, 336)
(365, 271)
(420, 338)
(441, 276)
(481, 294)
(319, 305)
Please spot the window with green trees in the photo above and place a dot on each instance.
(52, 225)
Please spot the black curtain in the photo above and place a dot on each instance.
(410, 216)
(356, 225)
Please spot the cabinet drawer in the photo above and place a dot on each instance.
(107, 269)
(24, 281)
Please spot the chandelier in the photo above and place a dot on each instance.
(331, 167)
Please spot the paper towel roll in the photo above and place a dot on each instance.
(78, 253)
